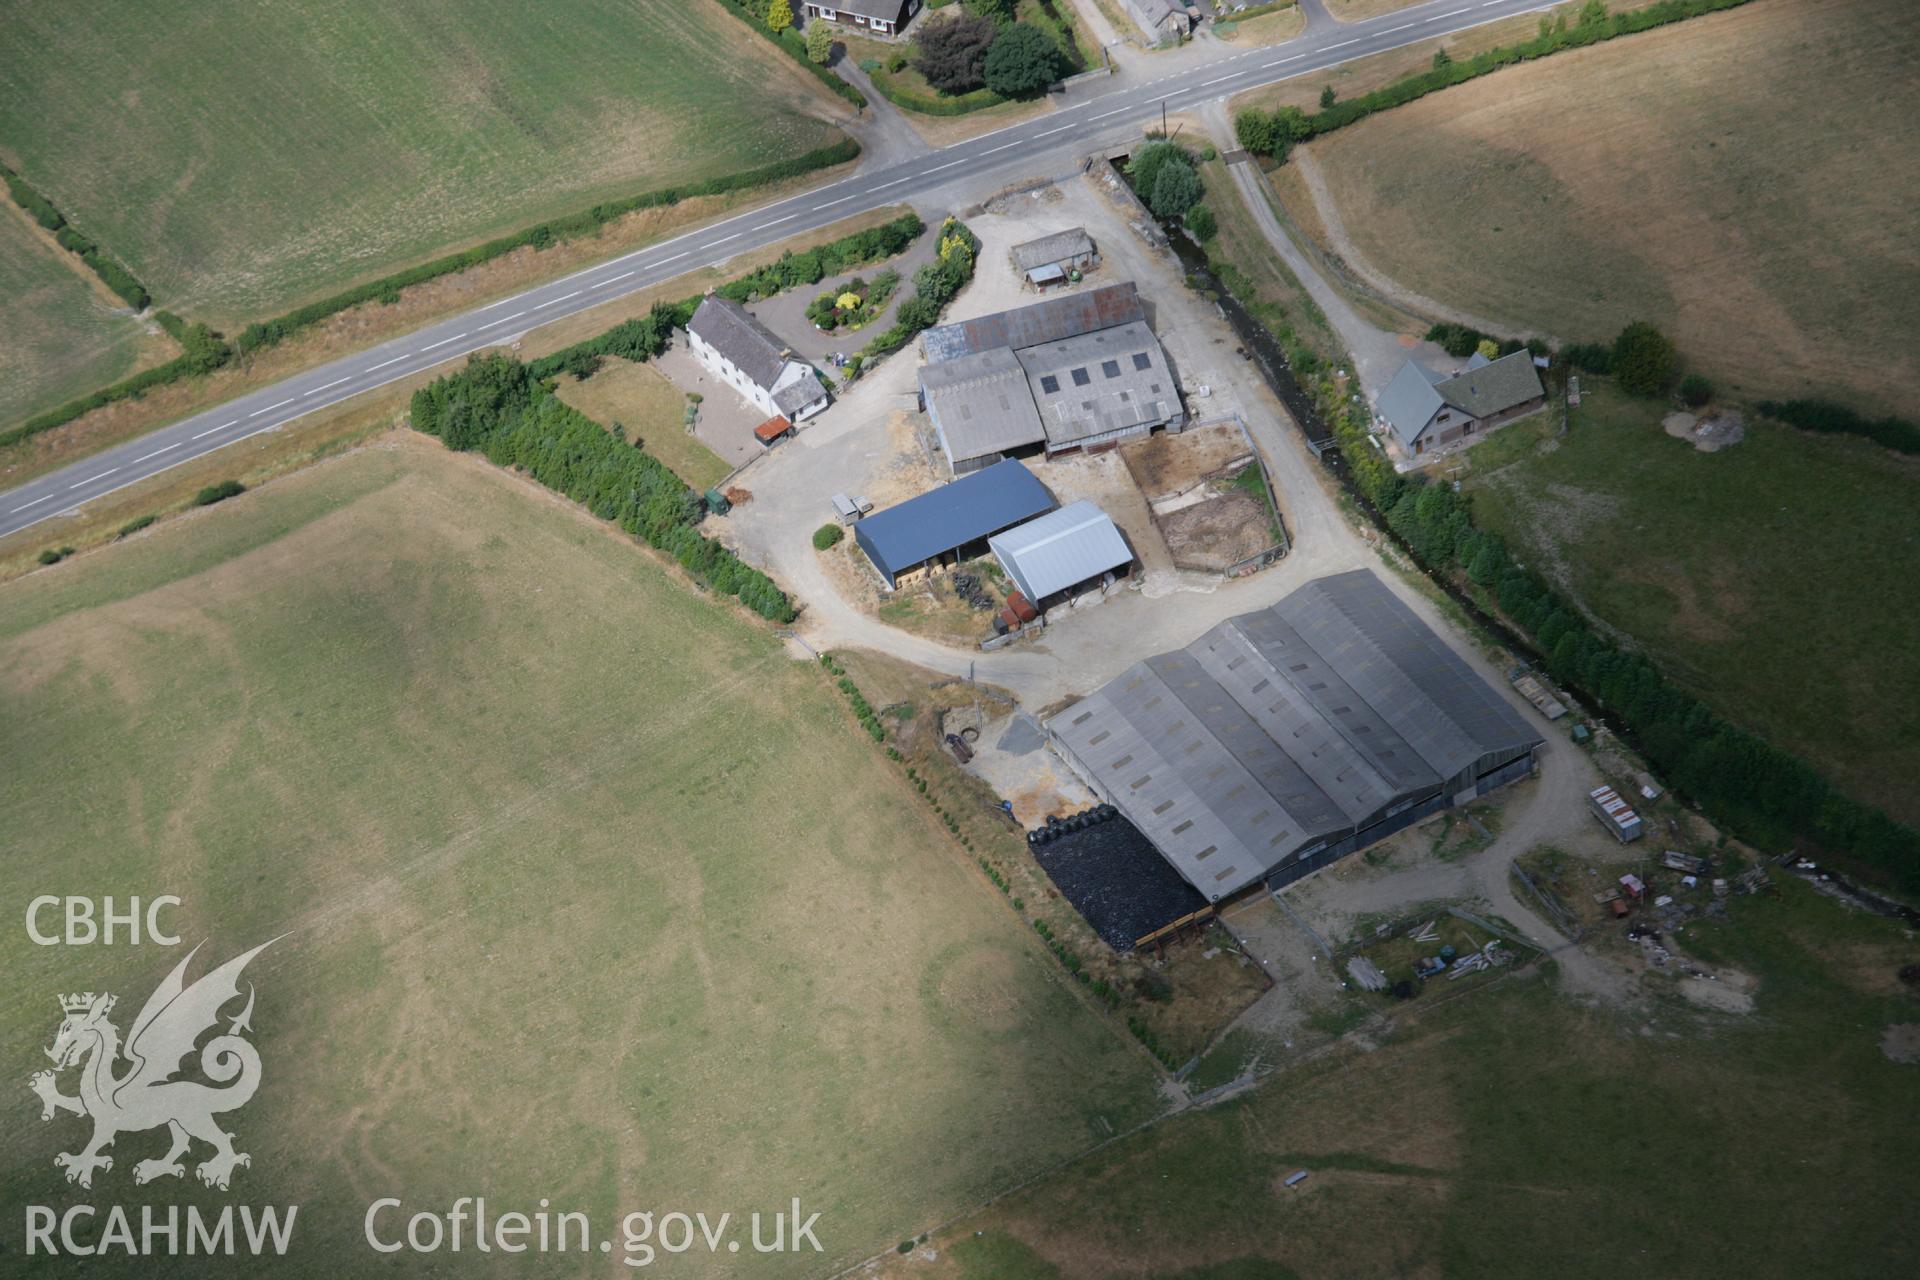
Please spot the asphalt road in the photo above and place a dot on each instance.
(1096, 111)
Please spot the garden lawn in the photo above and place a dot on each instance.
(652, 411)
(243, 159)
(589, 891)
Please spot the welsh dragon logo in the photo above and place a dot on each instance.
(146, 1095)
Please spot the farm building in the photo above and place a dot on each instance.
(741, 352)
(1430, 412)
(1283, 739)
(1101, 388)
(1091, 374)
(981, 409)
(876, 17)
(946, 525)
(1053, 259)
(1050, 556)
(1165, 19)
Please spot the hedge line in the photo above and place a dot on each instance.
(1898, 434)
(793, 44)
(643, 338)
(928, 104)
(496, 407)
(204, 352)
(1270, 132)
(269, 332)
(117, 277)
(1754, 789)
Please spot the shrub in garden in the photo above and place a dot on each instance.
(827, 537)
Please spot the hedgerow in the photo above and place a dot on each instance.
(266, 333)
(1270, 132)
(72, 239)
(204, 353)
(1898, 434)
(1759, 791)
(497, 407)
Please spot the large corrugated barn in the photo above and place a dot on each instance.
(1283, 739)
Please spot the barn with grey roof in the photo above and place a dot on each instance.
(1283, 739)
(1092, 374)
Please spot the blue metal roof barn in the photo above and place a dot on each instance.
(946, 519)
(1061, 549)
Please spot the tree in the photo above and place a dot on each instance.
(1260, 133)
(953, 54)
(1145, 164)
(1488, 348)
(1695, 390)
(1644, 359)
(1022, 61)
(779, 15)
(1327, 97)
(819, 43)
(1200, 221)
(1000, 11)
(1176, 189)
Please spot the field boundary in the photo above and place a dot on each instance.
(82, 246)
(200, 355)
(1760, 792)
(1271, 133)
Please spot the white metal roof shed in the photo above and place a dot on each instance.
(1060, 549)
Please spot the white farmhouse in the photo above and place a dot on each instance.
(741, 352)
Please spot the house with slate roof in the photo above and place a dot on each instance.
(1428, 413)
(740, 351)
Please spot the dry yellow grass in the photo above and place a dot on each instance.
(652, 411)
(1744, 180)
(589, 890)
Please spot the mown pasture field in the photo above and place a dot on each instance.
(1764, 577)
(242, 159)
(59, 335)
(1743, 180)
(590, 891)
(1515, 1133)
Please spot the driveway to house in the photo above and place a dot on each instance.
(1097, 114)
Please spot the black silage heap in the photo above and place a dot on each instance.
(1112, 875)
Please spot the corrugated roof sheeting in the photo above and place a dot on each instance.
(1098, 383)
(938, 521)
(1061, 549)
(980, 404)
(1050, 321)
(1282, 730)
(1061, 246)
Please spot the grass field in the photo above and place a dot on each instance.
(1691, 177)
(246, 159)
(1514, 1133)
(591, 892)
(58, 335)
(1765, 576)
(653, 412)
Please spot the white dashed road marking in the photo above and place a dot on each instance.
(270, 408)
(444, 341)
